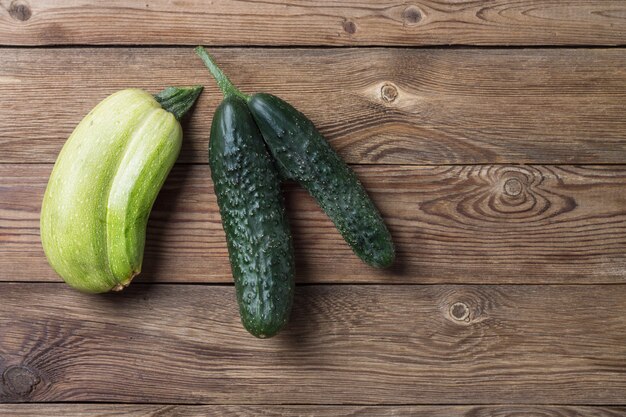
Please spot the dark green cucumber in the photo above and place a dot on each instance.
(248, 193)
(304, 155)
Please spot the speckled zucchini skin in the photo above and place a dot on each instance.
(253, 216)
(102, 188)
(305, 156)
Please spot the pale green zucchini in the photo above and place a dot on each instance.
(104, 183)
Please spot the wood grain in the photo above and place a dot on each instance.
(129, 410)
(376, 106)
(344, 345)
(462, 224)
(299, 22)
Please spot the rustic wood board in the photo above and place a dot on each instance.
(478, 224)
(377, 106)
(129, 410)
(501, 171)
(345, 344)
(301, 22)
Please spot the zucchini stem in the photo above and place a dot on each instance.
(227, 87)
(178, 100)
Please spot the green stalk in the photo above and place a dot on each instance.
(178, 100)
(222, 80)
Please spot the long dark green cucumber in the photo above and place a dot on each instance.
(305, 156)
(248, 192)
(254, 219)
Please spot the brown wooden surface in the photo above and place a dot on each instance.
(478, 224)
(500, 172)
(302, 22)
(374, 344)
(377, 106)
(123, 410)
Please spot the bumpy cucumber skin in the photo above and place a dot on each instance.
(305, 156)
(102, 188)
(248, 193)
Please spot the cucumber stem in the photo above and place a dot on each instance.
(178, 100)
(222, 80)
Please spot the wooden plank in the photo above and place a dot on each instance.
(297, 22)
(131, 410)
(346, 344)
(478, 224)
(376, 106)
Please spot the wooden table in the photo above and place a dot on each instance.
(499, 164)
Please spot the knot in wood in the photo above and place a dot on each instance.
(411, 15)
(19, 10)
(513, 187)
(349, 27)
(19, 380)
(460, 311)
(388, 92)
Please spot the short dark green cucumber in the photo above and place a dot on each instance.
(251, 205)
(304, 155)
